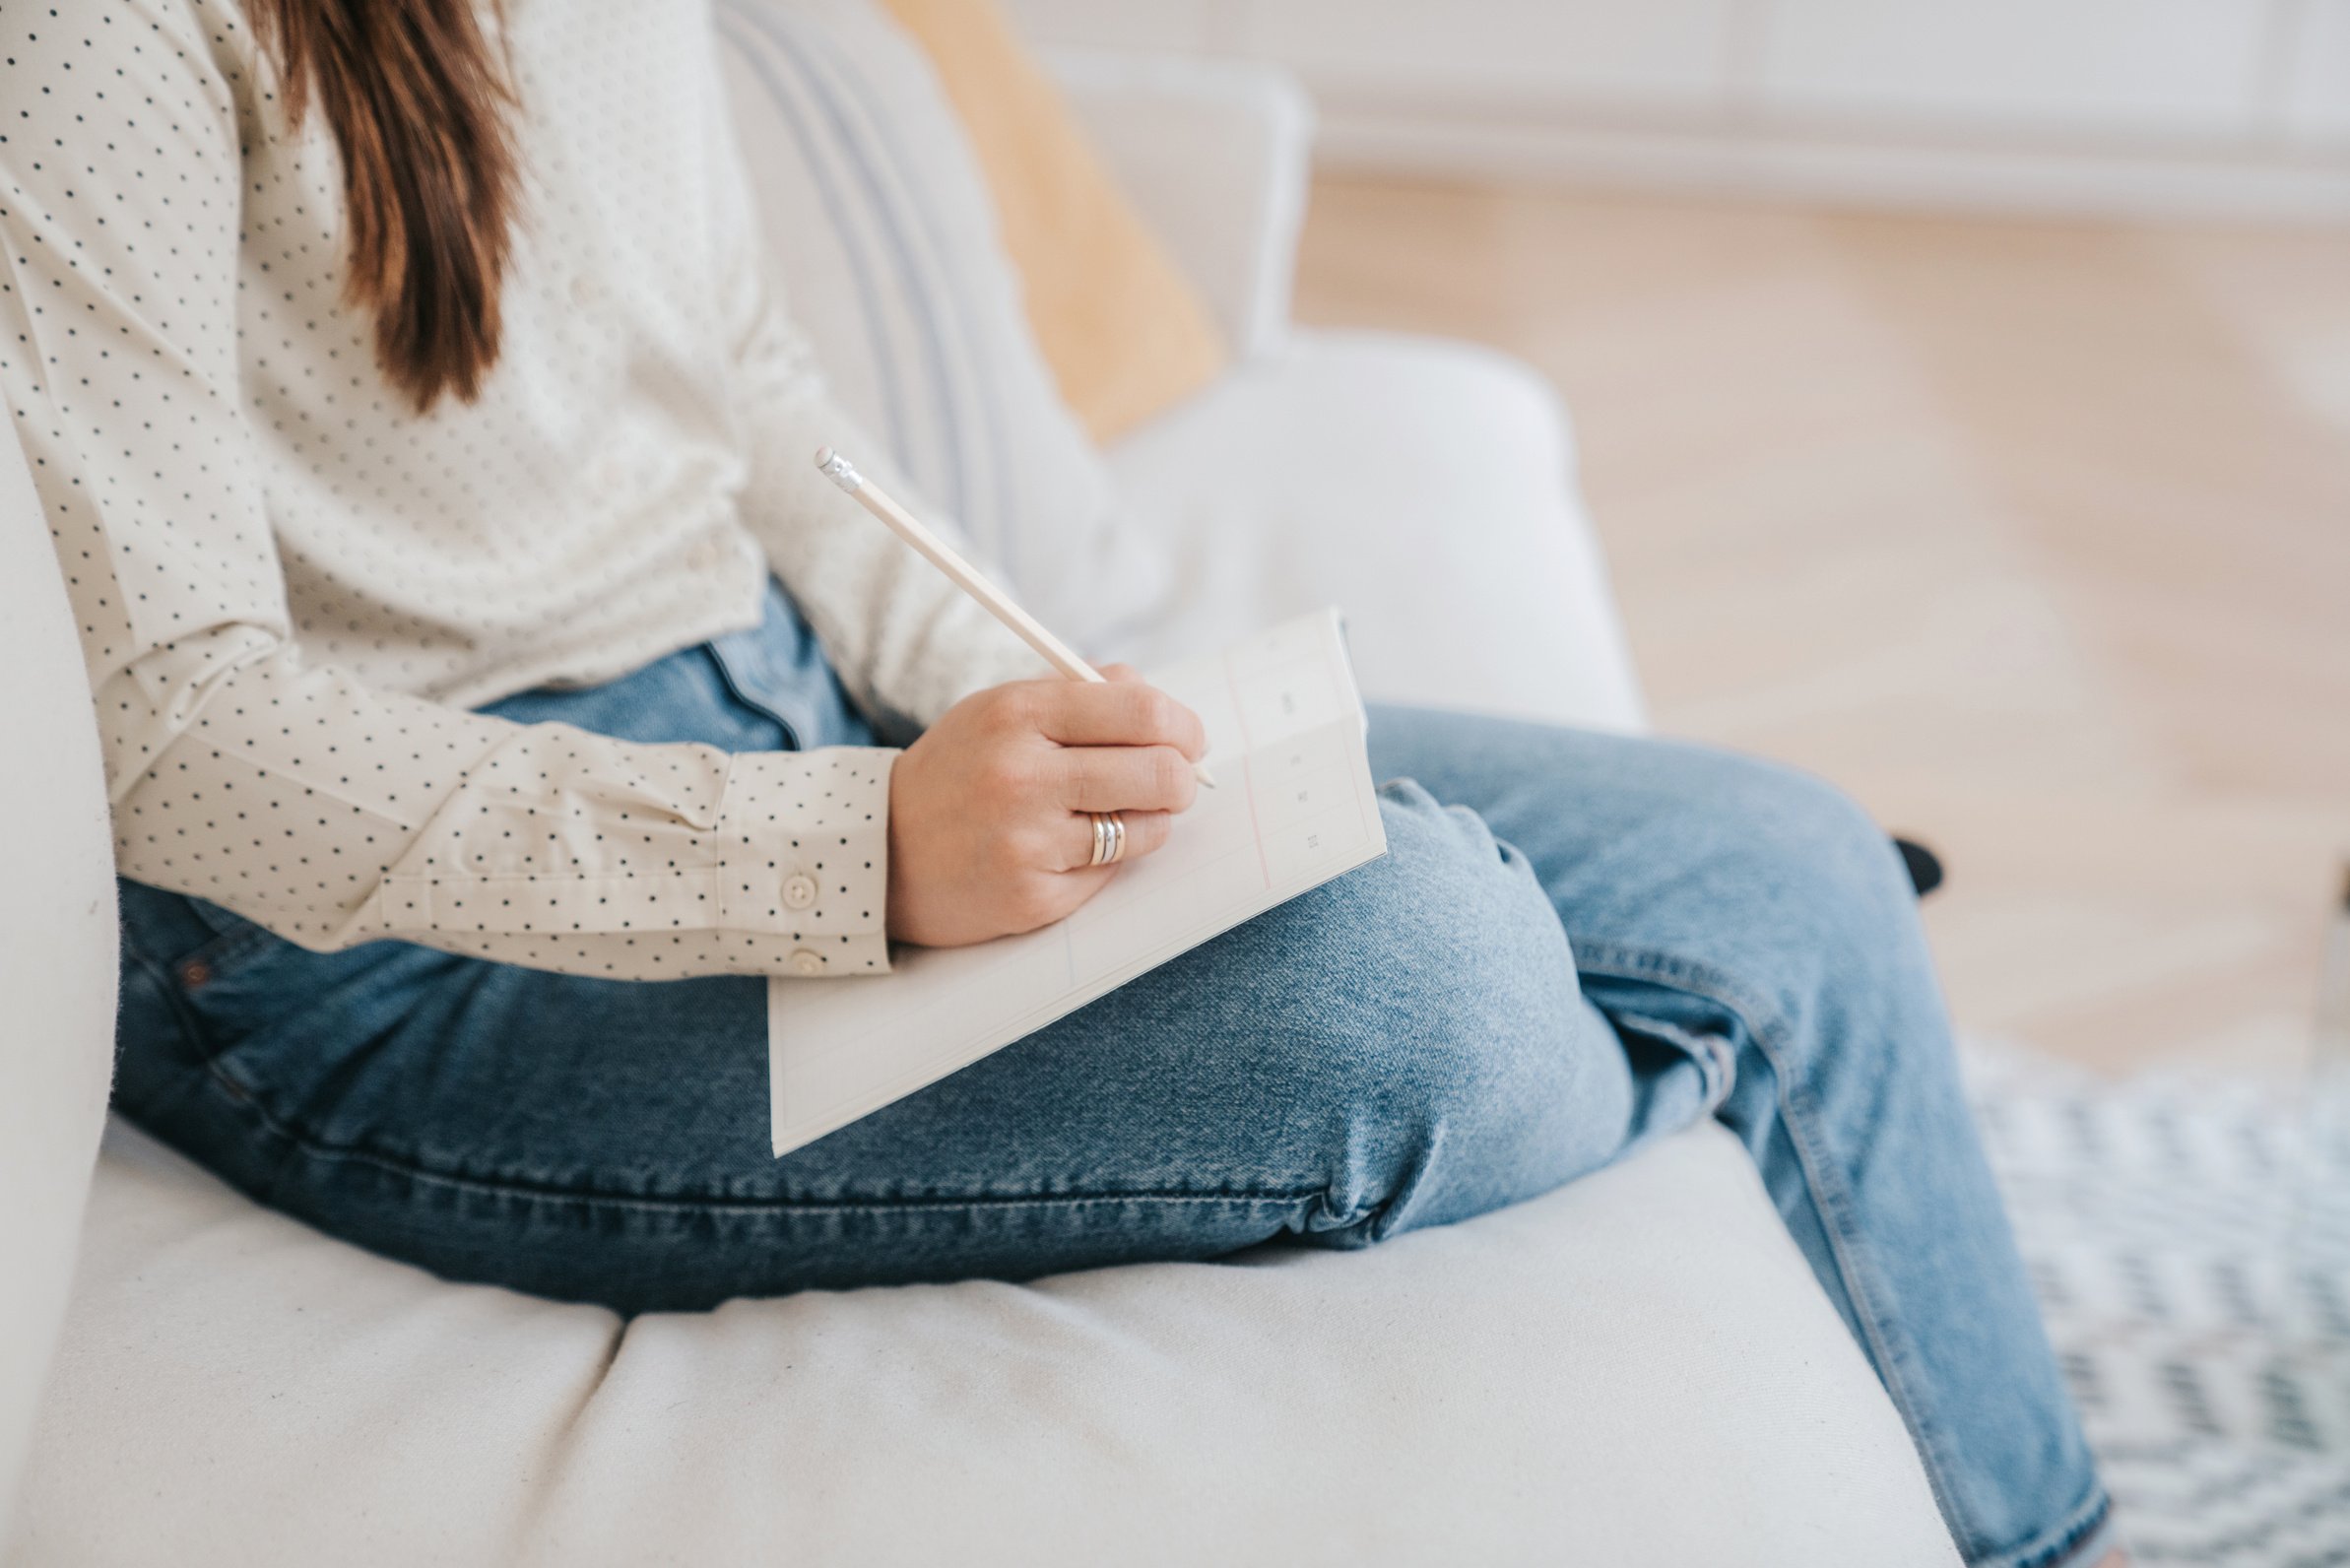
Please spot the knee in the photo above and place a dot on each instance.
(1457, 939)
(1811, 837)
(1454, 1042)
(1801, 865)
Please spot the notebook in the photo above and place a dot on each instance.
(1294, 807)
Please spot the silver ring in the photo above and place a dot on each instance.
(1109, 837)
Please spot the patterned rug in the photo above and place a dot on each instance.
(2189, 1239)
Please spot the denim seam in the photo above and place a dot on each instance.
(249, 1099)
(1771, 1027)
(302, 1142)
(2083, 1524)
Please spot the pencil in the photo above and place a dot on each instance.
(930, 548)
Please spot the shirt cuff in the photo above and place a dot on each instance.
(805, 841)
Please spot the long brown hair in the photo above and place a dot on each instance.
(418, 100)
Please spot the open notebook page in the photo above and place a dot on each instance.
(1294, 808)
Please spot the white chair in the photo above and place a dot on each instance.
(1636, 1370)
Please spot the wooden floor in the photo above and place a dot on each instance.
(2034, 535)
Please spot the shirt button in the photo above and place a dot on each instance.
(799, 890)
(583, 290)
(806, 961)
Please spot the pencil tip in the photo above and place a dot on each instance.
(1200, 772)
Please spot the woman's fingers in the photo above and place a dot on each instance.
(1121, 712)
(1146, 832)
(1124, 778)
(988, 832)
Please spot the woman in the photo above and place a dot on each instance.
(493, 695)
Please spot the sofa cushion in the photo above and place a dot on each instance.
(1125, 333)
(56, 951)
(1424, 486)
(883, 241)
(1550, 1383)
(1216, 155)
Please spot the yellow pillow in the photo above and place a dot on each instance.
(1124, 332)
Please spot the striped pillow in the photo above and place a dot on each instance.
(886, 245)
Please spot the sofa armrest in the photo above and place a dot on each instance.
(1215, 154)
(57, 957)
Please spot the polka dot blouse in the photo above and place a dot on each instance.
(291, 587)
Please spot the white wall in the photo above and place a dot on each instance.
(2224, 107)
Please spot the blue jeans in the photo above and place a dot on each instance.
(1577, 941)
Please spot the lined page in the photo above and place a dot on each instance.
(1296, 808)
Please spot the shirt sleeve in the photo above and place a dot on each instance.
(906, 642)
(297, 795)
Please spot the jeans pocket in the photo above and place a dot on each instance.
(242, 981)
(228, 974)
(192, 974)
(290, 1031)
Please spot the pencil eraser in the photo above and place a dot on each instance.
(838, 469)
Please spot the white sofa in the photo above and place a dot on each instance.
(1638, 1370)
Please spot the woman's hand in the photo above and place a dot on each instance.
(988, 826)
